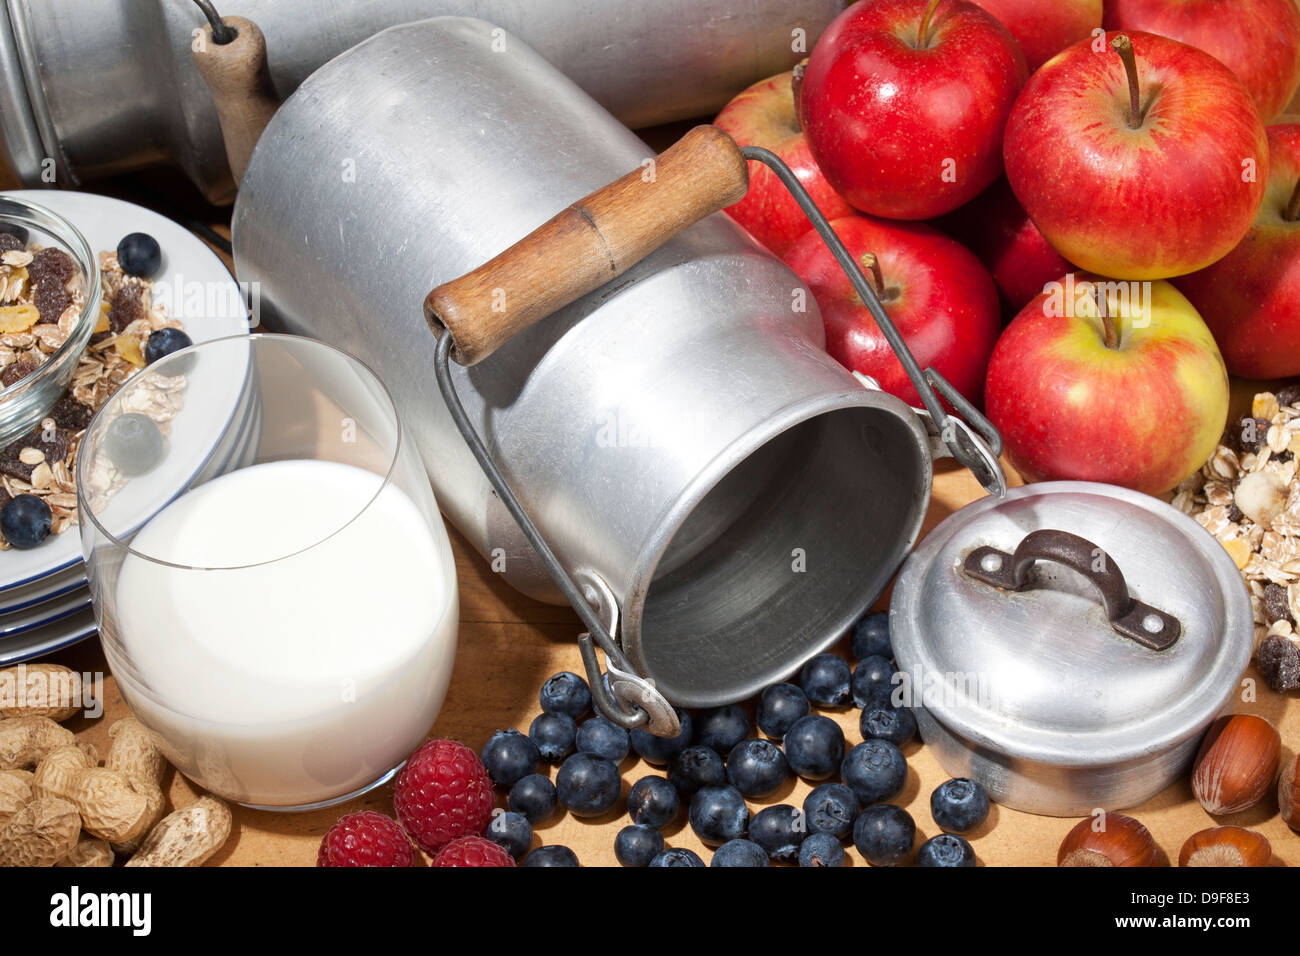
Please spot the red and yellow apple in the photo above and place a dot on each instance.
(1159, 190)
(904, 103)
(936, 292)
(1259, 40)
(764, 115)
(1251, 297)
(1044, 28)
(995, 227)
(1105, 380)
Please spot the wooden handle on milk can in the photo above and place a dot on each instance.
(240, 82)
(589, 243)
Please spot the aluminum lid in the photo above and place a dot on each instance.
(1041, 672)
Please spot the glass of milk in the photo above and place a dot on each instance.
(274, 586)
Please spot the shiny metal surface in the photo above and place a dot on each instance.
(678, 434)
(111, 86)
(1034, 693)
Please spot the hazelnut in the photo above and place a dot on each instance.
(1237, 764)
(1226, 846)
(1110, 840)
(1288, 794)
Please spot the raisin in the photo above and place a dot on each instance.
(1250, 433)
(127, 307)
(1289, 395)
(10, 243)
(53, 445)
(16, 372)
(51, 267)
(71, 415)
(1275, 604)
(1234, 513)
(50, 301)
(1278, 660)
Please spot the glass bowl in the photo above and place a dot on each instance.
(26, 402)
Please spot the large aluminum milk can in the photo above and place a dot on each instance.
(711, 477)
(99, 87)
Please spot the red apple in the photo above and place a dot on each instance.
(936, 292)
(1146, 193)
(1259, 40)
(1251, 297)
(904, 103)
(1134, 394)
(764, 115)
(995, 227)
(1044, 28)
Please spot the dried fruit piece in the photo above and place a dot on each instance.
(53, 444)
(128, 305)
(1239, 550)
(9, 242)
(1289, 395)
(1249, 433)
(129, 348)
(52, 266)
(18, 318)
(101, 324)
(1276, 603)
(50, 301)
(1265, 406)
(15, 373)
(1261, 496)
(1278, 660)
(70, 414)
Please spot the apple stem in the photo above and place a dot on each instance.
(923, 38)
(1124, 47)
(796, 91)
(1293, 207)
(871, 263)
(1107, 323)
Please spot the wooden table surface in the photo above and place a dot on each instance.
(510, 644)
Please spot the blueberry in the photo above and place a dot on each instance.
(652, 801)
(873, 682)
(637, 845)
(814, 747)
(831, 808)
(739, 852)
(554, 735)
(587, 785)
(875, 770)
(25, 521)
(565, 693)
(779, 707)
(895, 724)
(534, 796)
(721, 728)
(661, 750)
(604, 738)
(779, 830)
(164, 342)
(133, 443)
(825, 679)
(884, 834)
(696, 767)
(959, 805)
(551, 856)
(677, 856)
(871, 636)
(947, 850)
(139, 255)
(756, 767)
(821, 849)
(509, 756)
(718, 814)
(512, 831)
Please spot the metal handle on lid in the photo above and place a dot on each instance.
(1140, 622)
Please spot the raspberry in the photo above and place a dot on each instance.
(473, 851)
(366, 839)
(443, 793)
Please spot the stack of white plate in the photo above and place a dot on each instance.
(44, 601)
